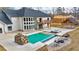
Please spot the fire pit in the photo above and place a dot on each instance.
(21, 39)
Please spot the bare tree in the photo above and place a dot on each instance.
(39, 8)
(75, 11)
(59, 10)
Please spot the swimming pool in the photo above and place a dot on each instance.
(39, 37)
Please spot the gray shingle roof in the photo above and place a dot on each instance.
(23, 12)
(27, 12)
(11, 13)
(34, 13)
(4, 18)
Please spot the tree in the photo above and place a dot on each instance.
(39, 8)
(53, 12)
(75, 11)
(59, 10)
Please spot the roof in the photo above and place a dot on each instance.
(34, 13)
(4, 18)
(12, 13)
(25, 12)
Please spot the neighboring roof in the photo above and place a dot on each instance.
(4, 18)
(26, 12)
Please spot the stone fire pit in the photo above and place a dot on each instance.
(21, 39)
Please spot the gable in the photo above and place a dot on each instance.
(4, 18)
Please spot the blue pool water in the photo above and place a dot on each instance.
(39, 37)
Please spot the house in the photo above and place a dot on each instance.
(63, 20)
(22, 19)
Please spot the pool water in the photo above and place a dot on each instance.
(39, 37)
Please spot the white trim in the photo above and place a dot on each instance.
(8, 29)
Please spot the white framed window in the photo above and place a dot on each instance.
(9, 28)
(0, 30)
(24, 19)
(48, 19)
(28, 23)
(40, 19)
(24, 27)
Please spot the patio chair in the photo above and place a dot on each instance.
(66, 35)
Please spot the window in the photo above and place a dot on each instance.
(29, 19)
(29, 22)
(40, 19)
(24, 23)
(0, 30)
(9, 28)
(48, 19)
(24, 27)
(24, 19)
(27, 27)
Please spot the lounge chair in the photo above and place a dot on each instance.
(66, 35)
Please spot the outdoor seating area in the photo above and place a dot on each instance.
(61, 40)
(66, 35)
(58, 44)
(55, 31)
(58, 31)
